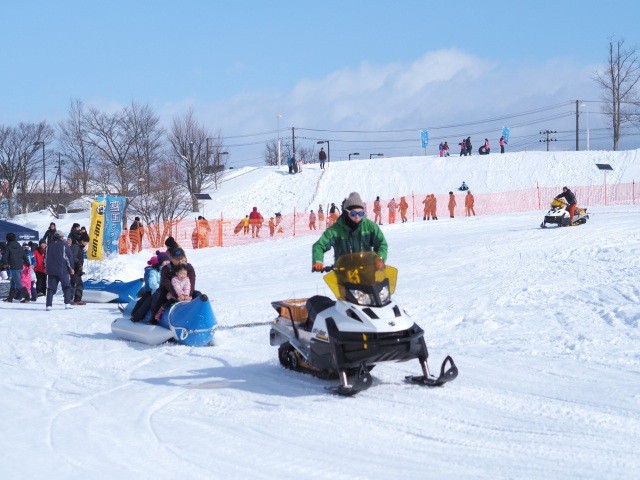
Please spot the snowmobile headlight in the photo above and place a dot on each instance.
(384, 294)
(362, 298)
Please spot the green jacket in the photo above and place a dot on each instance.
(365, 238)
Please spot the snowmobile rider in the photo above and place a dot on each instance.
(351, 233)
(570, 198)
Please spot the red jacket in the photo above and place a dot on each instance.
(39, 256)
(255, 217)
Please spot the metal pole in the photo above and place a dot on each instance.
(279, 158)
(577, 125)
(587, 127)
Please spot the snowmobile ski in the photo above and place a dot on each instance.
(445, 375)
(362, 381)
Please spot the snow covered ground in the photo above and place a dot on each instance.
(543, 325)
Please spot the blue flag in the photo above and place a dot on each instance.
(114, 208)
(505, 134)
(424, 137)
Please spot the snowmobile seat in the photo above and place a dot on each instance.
(317, 304)
(293, 309)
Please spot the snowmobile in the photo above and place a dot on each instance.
(559, 215)
(348, 336)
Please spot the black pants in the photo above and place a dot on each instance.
(41, 283)
(142, 307)
(77, 287)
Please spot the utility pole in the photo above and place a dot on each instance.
(293, 141)
(577, 125)
(547, 140)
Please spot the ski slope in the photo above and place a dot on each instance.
(543, 325)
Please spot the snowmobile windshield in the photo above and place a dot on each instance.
(358, 270)
(557, 203)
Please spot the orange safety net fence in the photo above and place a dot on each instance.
(195, 234)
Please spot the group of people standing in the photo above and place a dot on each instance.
(37, 271)
(466, 147)
(393, 206)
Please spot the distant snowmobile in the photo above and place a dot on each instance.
(335, 339)
(559, 215)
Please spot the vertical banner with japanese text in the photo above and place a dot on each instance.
(113, 211)
(96, 250)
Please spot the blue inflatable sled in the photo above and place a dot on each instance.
(103, 291)
(188, 323)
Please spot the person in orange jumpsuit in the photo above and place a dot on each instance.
(392, 206)
(204, 230)
(194, 238)
(377, 211)
(468, 204)
(312, 221)
(136, 232)
(403, 207)
(434, 207)
(320, 216)
(334, 213)
(123, 243)
(452, 204)
(427, 207)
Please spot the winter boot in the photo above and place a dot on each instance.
(12, 293)
(25, 295)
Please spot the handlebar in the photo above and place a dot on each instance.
(328, 268)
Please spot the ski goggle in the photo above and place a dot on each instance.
(353, 214)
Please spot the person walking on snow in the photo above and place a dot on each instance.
(452, 204)
(403, 207)
(434, 207)
(322, 157)
(377, 211)
(427, 207)
(13, 260)
(256, 220)
(392, 206)
(136, 232)
(468, 204)
(502, 144)
(312, 221)
(59, 268)
(351, 233)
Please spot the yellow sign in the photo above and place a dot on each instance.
(96, 249)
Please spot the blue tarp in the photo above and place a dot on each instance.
(23, 234)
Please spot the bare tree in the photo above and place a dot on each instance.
(20, 164)
(77, 148)
(307, 154)
(618, 81)
(115, 136)
(148, 149)
(271, 152)
(164, 203)
(189, 145)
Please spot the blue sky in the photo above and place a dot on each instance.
(332, 65)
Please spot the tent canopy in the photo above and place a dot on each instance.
(23, 234)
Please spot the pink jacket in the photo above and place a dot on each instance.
(182, 286)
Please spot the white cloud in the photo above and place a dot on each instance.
(442, 87)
